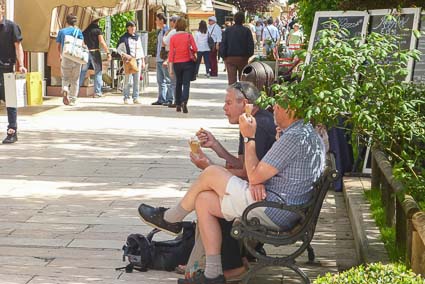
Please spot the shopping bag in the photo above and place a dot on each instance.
(130, 66)
(15, 89)
(74, 49)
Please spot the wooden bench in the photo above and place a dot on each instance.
(250, 232)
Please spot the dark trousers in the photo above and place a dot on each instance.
(206, 56)
(213, 62)
(234, 67)
(184, 73)
(12, 113)
(230, 247)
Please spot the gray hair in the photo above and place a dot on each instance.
(245, 90)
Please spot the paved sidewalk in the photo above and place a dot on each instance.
(70, 188)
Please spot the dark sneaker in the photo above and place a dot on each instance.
(172, 105)
(184, 107)
(199, 278)
(156, 104)
(10, 138)
(155, 218)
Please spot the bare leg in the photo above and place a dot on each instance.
(213, 178)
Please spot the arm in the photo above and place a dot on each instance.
(208, 141)
(104, 46)
(20, 56)
(258, 172)
(250, 46)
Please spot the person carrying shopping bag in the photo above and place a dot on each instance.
(131, 50)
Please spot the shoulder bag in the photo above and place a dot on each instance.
(74, 49)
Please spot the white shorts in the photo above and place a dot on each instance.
(238, 198)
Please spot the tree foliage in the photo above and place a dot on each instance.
(251, 6)
(363, 84)
(118, 28)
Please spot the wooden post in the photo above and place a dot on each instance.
(409, 207)
(418, 243)
(401, 231)
(375, 172)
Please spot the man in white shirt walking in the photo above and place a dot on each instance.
(214, 31)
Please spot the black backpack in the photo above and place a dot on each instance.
(144, 254)
(211, 42)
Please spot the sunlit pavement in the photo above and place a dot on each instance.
(70, 187)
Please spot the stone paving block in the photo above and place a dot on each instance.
(98, 244)
(11, 241)
(85, 220)
(15, 279)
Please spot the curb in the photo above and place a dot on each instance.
(367, 237)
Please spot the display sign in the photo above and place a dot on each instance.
(419, 68)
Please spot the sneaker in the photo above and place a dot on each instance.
(97, 95)
(10, 138)
(155, 218)
(167, 104)
(172, 105)
(208, 75)
(126, 101)
(73, 101)
(156, 103)
(136, 102)
(65, 99)
(199, 278)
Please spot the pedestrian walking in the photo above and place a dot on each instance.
(170, 33)
(201, 39)
(236, 48)
(70, 69)
(182, 51)
(10, 51)
(215, 33)
(93, 38)
(270, 36)
(165, 89)
(130, 48)
(258, 34)
(296, 36)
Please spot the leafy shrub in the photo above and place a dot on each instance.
(363, 84)
(371, 274)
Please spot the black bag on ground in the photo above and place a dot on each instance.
(143, 253)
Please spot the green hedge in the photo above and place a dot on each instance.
(373, 273)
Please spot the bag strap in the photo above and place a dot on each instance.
(274, 41)
(154, 231)
(210, 34)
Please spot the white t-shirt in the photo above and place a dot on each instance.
(136, 48)
(201, 41)
(167, 39)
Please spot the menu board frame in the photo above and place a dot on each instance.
(422, 18)
(333, 14)
(417, 14)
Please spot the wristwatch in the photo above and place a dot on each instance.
(247, 139)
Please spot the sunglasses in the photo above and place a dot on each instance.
(238, 86)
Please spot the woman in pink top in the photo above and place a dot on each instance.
(181, 64)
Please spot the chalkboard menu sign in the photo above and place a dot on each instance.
(419, 70)
(406, 21)
(354, 21)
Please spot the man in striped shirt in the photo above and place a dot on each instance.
(285, 174)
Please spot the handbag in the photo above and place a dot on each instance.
(192, 53)
(163, 54)
(130, 66)
(74, 49)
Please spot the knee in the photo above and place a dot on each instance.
(203, 201)
(213, 170)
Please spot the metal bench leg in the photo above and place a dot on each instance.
(311, 255)
(301, 273)
(252, 271)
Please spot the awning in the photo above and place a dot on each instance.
(224, 6)
(172, 5)
(40, 19)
